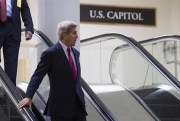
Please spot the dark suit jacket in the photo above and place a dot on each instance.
(24, 11)
(64, 89)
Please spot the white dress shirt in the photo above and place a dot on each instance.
(66, 53)
(8, 8)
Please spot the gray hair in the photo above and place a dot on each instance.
(65, 27)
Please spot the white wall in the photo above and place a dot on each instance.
(51, 12)
(47, 14)
(167, 19)
(34, 11)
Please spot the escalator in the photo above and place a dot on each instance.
(166, 50)
(164, 104)
(162, 99)
(9, 98)
(125, 68)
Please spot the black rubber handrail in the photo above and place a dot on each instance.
(42, 36)
(157, 39)
(13, 92)
(106, 114)
(153, 40)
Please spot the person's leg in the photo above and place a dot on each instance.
(79, 113)
(80, 118)
(60, 119)
(10, 52)
(3, 33)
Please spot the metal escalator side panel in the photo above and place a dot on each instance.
(10, 98)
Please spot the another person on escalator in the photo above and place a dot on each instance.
(61, 63)
(10, 32)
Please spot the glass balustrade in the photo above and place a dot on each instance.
(167, 51)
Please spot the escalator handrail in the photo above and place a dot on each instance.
(159, 39)
(43, 37)
(85, 86)
(8, 85)
(152, 41)
(140, 49)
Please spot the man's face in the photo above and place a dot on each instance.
(70, 39)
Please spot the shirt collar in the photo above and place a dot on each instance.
(63, 46)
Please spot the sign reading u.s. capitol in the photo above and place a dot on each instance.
(117, 15)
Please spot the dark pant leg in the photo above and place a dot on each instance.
(79, 111)
(3, 34)
(80, 118)
(61, 119)
(11, 52)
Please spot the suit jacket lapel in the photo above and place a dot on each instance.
(60, 52)
(63, 57)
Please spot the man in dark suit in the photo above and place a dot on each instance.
(61, 63)
(10, 32)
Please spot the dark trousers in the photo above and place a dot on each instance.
(79, 118)
(79, 114)
(10, 50)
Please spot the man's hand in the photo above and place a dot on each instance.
(28, 35)
(25, 102)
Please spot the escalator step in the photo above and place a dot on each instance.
(145, 92)
(170, 119)
(161, 101)
(166, 111)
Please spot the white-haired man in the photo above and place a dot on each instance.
(61, 63)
